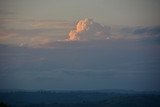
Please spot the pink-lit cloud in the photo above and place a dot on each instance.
(27, 32)
(87, 29)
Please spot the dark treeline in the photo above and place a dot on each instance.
(79, 99)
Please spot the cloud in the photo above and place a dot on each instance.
(32, 33)
(30, 24)
(41, 24)
(87, 29)
(136, 33)
(52, 33)
(120, 64)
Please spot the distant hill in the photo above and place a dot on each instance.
(102, 98)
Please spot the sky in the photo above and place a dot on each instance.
(111, 12)
(80, 44)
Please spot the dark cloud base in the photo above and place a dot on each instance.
(82, 65)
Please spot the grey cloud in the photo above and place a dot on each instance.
(137, 33)
(109, 65)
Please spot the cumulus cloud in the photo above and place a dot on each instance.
(87, 29)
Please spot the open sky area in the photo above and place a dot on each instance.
(111, 12)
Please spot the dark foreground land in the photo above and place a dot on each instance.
(103, 98)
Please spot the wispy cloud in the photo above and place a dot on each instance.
(136, 33)
(32, 32)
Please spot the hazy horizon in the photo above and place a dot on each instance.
(80, 45)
